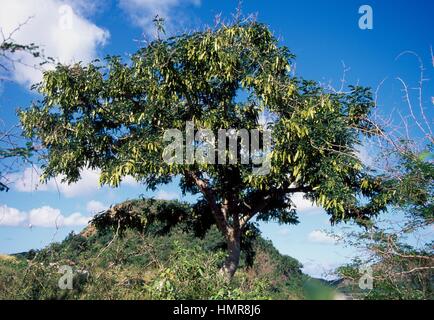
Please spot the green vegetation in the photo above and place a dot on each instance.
(400, 255)
(152, 264)
(401, 269)
(113, 114)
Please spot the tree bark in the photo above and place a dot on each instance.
(232, 216)
(233, 240)
(232, 233)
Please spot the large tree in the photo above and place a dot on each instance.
(113, 116)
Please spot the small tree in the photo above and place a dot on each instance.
(13, 150)
(401, 254)
(113, 117)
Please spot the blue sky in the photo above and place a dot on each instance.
(324, 35)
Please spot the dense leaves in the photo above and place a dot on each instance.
(112, 115)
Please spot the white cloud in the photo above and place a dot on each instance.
(75, 219)
(87, 8)
(129, 181)
(142, 12)
(318, 236)
(164, 195)
(45, 216)
(49, 217)
(11, 216)
(304, 205)
(29, 181)
(94, 207)
(320, 269)
(366, 153)
(56, 26)
(88, 184)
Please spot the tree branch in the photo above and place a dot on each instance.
(263, 199)
(211, 199)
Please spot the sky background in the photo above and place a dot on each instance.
(324, 35)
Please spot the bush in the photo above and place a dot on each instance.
(193, 273)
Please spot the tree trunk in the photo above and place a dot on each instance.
(232, 261)
(221, 214)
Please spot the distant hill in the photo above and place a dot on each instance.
(151, 264)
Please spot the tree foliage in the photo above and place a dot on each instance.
(112, 115)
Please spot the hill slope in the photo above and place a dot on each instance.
(151, 264)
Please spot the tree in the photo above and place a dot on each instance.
(401, 253)
(12, 148)
(113, 116)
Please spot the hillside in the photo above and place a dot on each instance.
(155, 262)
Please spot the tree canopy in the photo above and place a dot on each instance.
(112, 115)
